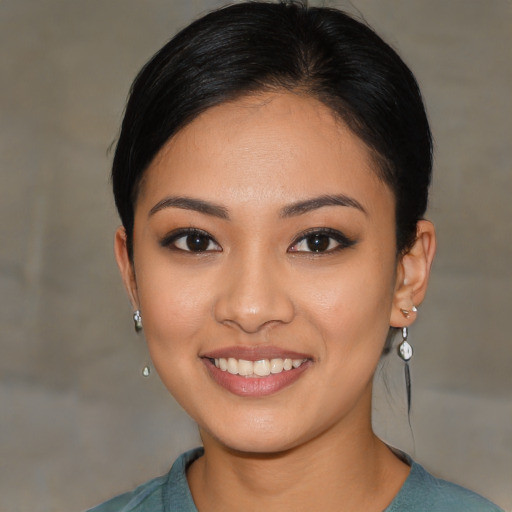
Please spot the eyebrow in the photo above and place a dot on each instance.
(188, 203)
(315, 203)
(216, 210)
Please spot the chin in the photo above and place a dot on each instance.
(259, 445)
(257, 436)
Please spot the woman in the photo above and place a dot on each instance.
(271, 176)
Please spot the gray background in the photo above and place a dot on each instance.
(77, 422)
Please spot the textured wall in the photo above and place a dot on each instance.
(77, 422)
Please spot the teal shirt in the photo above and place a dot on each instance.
(421, 492)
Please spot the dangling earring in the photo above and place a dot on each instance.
(405, 353)
(405, 349)
(137, 321)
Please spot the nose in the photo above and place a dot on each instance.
(253, 295)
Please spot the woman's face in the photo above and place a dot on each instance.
(263, 238)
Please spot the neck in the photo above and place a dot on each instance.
(345, 469)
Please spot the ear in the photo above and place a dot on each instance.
(125, 265)
(413, 272)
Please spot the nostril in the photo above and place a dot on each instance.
(252, 326)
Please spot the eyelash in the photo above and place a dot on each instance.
(170, 240)
(343, 242)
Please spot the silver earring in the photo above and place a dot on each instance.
(407, 312)
(405, 353)
(405, 349)
(137, 321)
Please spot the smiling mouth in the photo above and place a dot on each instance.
(255, 369)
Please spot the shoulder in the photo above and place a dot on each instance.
(422, 492)
(146, 496)
(167, 493)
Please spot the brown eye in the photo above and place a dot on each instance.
(197, 242)
(188, 240)
(324, 240)
(318, 242)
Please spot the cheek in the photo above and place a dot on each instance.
(175, 305)
(351, 306)
(175, 310)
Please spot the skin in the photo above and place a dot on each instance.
(309, 446)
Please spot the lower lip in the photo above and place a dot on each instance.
(255, 386)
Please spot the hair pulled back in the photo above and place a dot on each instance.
(258, 46)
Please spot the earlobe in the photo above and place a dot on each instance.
(413, 273)
(125, 265)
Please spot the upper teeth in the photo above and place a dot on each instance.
(260, 368)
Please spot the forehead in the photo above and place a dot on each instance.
(264, 147)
